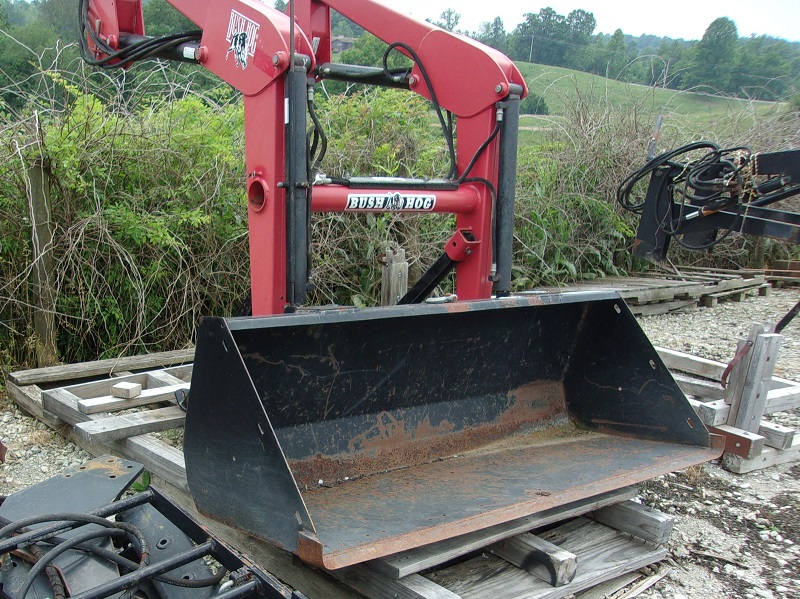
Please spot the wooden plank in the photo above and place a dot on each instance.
(130, 425)
(148, 380)
(639, 520)
(661, 307)
(780, 400)
(375, 585)
(604, 590)
(603, 554)
(748, 408)
(421, 558)
(699, 387)
(776, 435)
(158, 457)
(769, 457)
(109, 403)
(739, 442)
(71, 372)
(682, 362)
(712, 413)
(536, 556)
(29, 399)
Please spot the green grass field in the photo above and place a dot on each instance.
(686, 114)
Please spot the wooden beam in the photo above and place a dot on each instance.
(750, 381)
(739, 442)
(776, 435)
(109, 403)
(639, 520)
(158, 457)
(43, 272)
(375, 585)
(712, 413)
(394, 277)
(421, 558)
(71, 372)
(123, 426)
(785, 398)
(682, 362)
(603, 554)
(541, 558)
(769, 457)
(699, 387)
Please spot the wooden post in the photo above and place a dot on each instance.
(42, 243)
(394, 281)
(751, 377)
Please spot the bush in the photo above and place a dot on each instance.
(533, 103)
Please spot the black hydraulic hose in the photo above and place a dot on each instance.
(480, 151)
(666, 159)
(448, 131)
(143, 547)
(11, 543)
(61, 548)
(139, 50)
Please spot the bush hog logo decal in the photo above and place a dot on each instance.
(391, 202)
(241, 37)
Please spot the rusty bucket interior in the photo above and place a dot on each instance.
(346, 435)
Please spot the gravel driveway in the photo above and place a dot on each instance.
(735, 536)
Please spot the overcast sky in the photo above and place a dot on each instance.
(687, 19)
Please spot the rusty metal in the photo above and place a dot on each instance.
(347, 435)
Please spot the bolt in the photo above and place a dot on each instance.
(468, 251)
(280, 59)
(201, 54)
(412, 81)
(499, 89)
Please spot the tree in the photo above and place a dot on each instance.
(62, 16)
(493, 34)
(161, 18)
(280, 5)
(714, 57)
(448, 20)
(616, 55)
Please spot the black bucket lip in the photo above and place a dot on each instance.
(336, 314)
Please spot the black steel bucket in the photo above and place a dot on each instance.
(345, 435)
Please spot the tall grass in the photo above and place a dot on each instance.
(149, 215)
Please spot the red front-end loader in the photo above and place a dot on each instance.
(345, 434)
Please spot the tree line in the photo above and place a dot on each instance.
(759, 67)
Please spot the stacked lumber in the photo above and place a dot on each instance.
(752, 442)
(653, 293)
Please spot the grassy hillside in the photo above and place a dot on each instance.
(686, 114)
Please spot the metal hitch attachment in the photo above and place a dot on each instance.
(347, 435)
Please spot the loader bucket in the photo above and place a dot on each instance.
(345, 435)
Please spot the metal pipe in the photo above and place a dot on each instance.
(507, 180)
(133, 578)
(240, 591)
(359, 74)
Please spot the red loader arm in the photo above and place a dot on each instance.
(256, 49)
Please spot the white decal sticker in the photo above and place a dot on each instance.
(399, 202)
(241, 37)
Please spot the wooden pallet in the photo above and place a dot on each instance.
(769, 445)
(653, 293)
(624, 535)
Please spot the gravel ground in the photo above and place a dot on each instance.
(735, 536)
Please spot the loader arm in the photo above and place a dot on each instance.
(250, 46)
